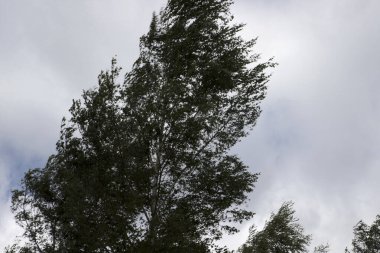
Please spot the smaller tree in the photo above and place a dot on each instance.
(323, 248)
(281, 234)
(366, 238)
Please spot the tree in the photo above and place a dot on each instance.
(323, 248)
(145, 166)
(366, 238)
(281, 234)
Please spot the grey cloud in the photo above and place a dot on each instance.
(317, 142)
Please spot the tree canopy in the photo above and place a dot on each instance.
(144, 165)
(281, 234)
(366, 237)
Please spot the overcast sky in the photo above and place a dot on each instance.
(317, 141)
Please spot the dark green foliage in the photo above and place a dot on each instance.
(366, 238)
(281, 234)
(144, 166)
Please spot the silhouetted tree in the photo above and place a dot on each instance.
(322, 248)
(366, 238)
(281, 234)
(145, 166)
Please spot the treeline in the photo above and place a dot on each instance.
(283, 233)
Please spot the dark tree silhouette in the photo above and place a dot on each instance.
(366, 238)
(144, 166)
(281, 234)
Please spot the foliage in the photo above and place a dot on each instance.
(145, 166)
(322, 248)
(281, 234)
(366, 238)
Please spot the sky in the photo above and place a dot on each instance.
(317, 142)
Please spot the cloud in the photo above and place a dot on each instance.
(318, 138)
(9, 229)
